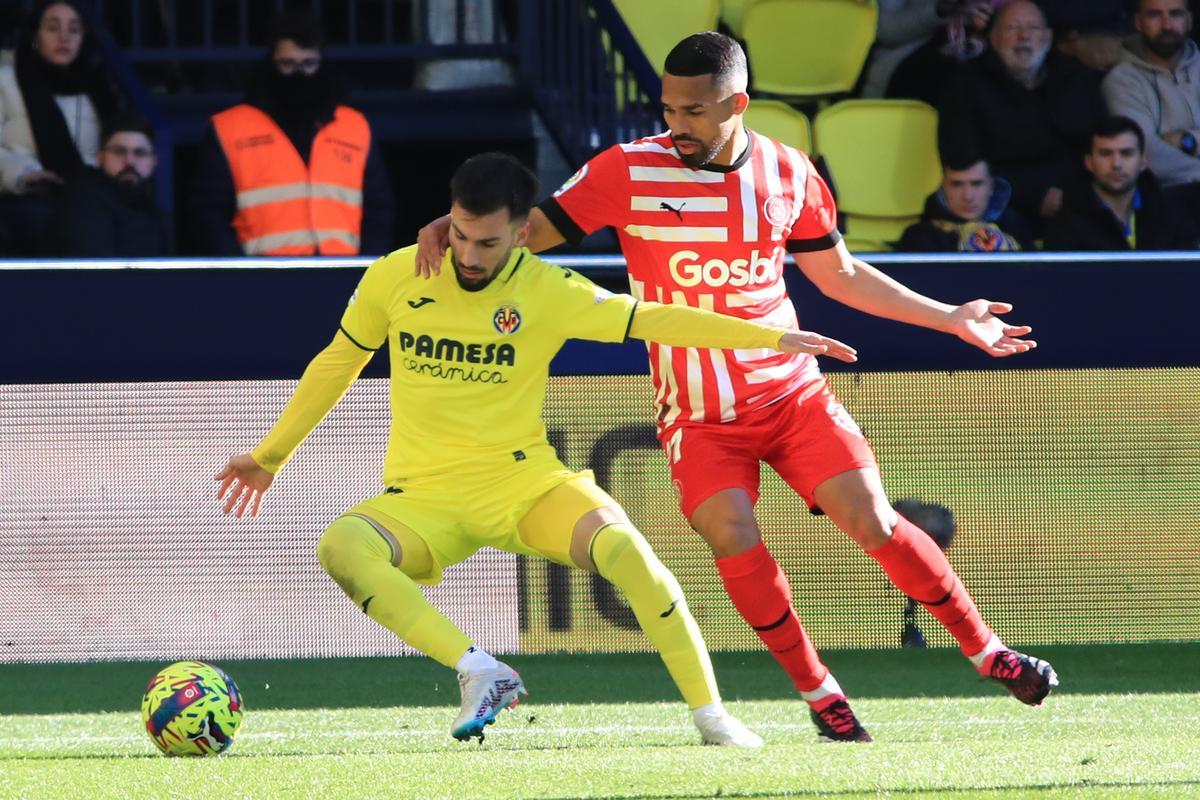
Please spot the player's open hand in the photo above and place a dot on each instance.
(243, 482)
(817, 345)
(432, 241)
(976, 323)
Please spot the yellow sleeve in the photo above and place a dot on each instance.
(325, 380)
(683, 326)
(365, 321)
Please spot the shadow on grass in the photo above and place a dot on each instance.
(598, 678)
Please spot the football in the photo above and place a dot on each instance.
(192, 709)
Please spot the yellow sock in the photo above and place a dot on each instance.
(360, 560)
(623, 557)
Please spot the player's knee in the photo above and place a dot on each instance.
(623, 556)
(869, 527)
(342, 545)
(729, 535)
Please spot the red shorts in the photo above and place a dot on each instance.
(806, 438)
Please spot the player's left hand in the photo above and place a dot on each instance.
(243, 482)
(976, 323)
(817, 345)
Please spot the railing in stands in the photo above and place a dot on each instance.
(591, 82)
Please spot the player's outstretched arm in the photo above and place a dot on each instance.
(243, 483)
(245, 477)
(842, 277)
(682, 326)
(434, 238)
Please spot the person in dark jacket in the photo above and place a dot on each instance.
(968, 214)
(1120, 206)
(109, 211)
(302, 97)
(1024, 108)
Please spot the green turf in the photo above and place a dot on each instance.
(1124, 725)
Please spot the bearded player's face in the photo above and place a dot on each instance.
(702, 117)
(481, 244)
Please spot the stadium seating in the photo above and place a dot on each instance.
(807, 48)
(883, 160)
(659, 26)
(778, 120)
(731, 14)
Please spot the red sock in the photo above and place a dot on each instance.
(918, 567)
(761, 594)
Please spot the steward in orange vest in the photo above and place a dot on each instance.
(284, 206)
(291, 171)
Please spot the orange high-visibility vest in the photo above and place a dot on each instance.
(285, 207)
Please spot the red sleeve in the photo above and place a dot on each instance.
(816, 229)
(594, 197)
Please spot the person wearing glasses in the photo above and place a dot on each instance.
(292, 170)
(1024, 108)
(109, 211)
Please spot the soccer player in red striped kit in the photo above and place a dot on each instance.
(705, 214)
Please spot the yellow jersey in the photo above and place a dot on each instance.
(469, 369)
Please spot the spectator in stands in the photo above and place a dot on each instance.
(1090, 31)
(109, 211)
(1120, 205)
(51, 102)
(1157, 85)
(919, 42)
(1024, 108)
(292, 170)
(968, 214)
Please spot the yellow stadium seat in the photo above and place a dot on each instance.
(731, 14)
(658, 25)
(882, 156)
(807, 48)
(778, 120)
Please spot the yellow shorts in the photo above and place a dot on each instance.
(455, 515)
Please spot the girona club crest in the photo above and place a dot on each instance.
(506, 319)
(777, 210)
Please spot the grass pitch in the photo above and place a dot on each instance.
(1124, 725)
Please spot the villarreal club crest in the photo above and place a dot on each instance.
(506, 320)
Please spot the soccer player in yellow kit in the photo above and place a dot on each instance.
(468, 464)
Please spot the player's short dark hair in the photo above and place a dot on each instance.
(1115, 125)
(125, 122)
(488, 182)
(298, 25)
(710, 53)
(933, 518)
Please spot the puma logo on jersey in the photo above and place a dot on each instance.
(665, 206)
(420, 301)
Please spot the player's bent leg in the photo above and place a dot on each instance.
(856, 503)
(363, 559)
(756, 584)
(624, 558)
(578, 524)
(369, 562)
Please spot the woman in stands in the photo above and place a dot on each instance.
(51, 102)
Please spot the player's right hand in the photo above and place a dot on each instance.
(817, 345)
(432, 241)
(243, 482)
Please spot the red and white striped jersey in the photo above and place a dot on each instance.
(712, 237)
